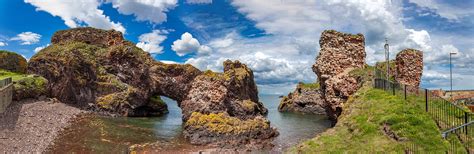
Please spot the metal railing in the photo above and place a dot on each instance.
(5, 82)
(464, 134)
(446, 114)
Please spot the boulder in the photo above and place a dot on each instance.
(12, 62)
(306, 98)
(100, 70)
(409, 65)
(340, 53)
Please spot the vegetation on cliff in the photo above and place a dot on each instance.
(375, 121)
(25, 85)
(13, 62)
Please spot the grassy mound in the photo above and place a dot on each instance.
(12, 61)
(375, 121)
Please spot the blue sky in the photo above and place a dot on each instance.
(278, 39)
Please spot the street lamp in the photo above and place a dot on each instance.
(451, 72)
(387, 57)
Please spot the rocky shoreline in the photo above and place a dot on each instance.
(31, 125)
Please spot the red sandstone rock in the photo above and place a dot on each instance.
(97, 68)
(409, 64)
(340, 53)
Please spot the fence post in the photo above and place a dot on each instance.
(465, 120)
(393, 88)
(426, 100)
(405, 89)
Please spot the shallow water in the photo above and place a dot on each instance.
(106, 134)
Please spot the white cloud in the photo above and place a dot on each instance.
(150, 42)
(446, 10)
(187, 44)
(76, 13)
(37, 49)
(3, 44)
(199, 1)
(286, 54)
(27, 38)
(169, 62)
(145, 10)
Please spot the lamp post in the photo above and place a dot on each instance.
(451, 72)
(387, 57)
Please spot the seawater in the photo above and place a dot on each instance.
(107, 134)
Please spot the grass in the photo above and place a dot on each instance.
(308, 85)
(360, 127)
(15, 76)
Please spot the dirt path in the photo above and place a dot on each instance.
(32, 125)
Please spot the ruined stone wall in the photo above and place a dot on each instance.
(409, 65)
(340, 53)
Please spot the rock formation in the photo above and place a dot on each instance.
(409, 65)
(305, 99)
(29, 86)
(340, 53)
(99, 69)
(13, 62)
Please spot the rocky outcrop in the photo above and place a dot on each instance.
(98, 69)
(305, 99)
(29, 86)
(13, 62)
(340, 54)
(226, 131)
(89, 35)
(409, 65)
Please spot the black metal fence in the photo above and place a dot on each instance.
(464, 134)
(446, 114)
(5, 82)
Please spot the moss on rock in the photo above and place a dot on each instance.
(29, 86)
(221, 123)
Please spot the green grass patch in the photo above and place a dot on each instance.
(308, 85)
(361, 127)
(15, 76)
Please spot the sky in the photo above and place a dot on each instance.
(277, 39)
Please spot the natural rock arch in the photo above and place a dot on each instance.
(98, 69)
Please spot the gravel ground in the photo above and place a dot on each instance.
(32, 125)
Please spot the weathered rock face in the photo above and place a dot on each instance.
(340, 53)
(92, 67)
(13, 62)
(305, 99)
(409, 64)
(89, 36)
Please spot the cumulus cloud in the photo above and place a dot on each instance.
(145, 10)
(150, 42)
(76, 13)
(444, 9)
(284, 56)
(198, 1)
(169, 62)
(27, 38)
(37, 49)
(188, 44)
(3, 44)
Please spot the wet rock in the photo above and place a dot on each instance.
(13, 62)
(409, 64)
(340, 53)
(229, 132)
(306, 98)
